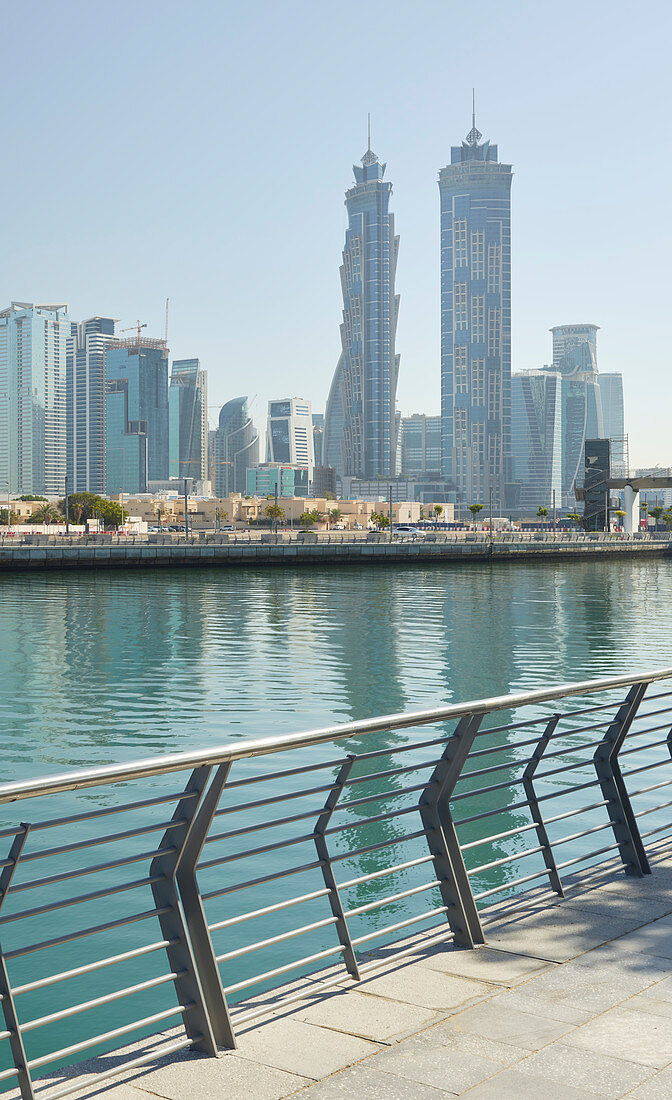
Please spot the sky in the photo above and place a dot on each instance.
(200, 152)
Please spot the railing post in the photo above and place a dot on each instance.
(442, 839)
(619, 807)
(8, 1005)
(197, 924)
(349, 957)
(182, 956)
(535, 812)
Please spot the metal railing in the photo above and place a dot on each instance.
(181, 891)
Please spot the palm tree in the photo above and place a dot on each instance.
(620, 513)
(46, 513)
(542, 512)
(438, 511)
(475, 509)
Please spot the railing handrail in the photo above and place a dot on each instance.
(161, 765)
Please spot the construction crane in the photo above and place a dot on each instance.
(135, 328)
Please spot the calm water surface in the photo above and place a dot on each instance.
(105, 667)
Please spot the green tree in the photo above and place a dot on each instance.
(542, 512)
(30, 496)
(575, 518)
(475, 509)
(328, 495)
(620, 513)
(381, 521)
(656, 513)
(13, 516)
(83, 506)
(46, 513)
(438, 511)
(334, 515)
(310, 518)
(275, 513)
(667, 519)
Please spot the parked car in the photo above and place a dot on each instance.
(407, 531)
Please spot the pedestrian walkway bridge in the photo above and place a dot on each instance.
(488, 885)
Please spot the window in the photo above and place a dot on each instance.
(494, 268)
(477, 318)
(478, 381)
(494, 394)
(478, 254)
(460, 429)
(494, 316)
(461, 369)
(460, 305)
(460, 242)
(478, 444)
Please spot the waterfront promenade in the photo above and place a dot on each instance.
(570, 998)
(290, 549)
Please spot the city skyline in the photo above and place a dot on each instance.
(564, 140)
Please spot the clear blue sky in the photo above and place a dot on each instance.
(201, 151)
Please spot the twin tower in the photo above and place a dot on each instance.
(361, 425)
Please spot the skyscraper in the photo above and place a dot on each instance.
(33, 355)
(360, 436)
(420, 445)
(136, 407)
(536, 437)
(236, 448)
(575, 358)
(85, 404)
(613, 420)
(188, 412)
(289, 436)
(475, 192)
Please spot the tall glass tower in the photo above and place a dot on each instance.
(360, 418)
(475, 192)
(85, 404)
(188, 420)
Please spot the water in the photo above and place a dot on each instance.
(105, 667)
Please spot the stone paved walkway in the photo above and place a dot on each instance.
(570, 998)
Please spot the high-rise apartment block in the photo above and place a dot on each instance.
(137, 414)
(575, 359)
(613, 420)
(236, 448)
(33, 358)
(289, 435)
(188, 420)
(476, 320)
(360, 436)
(420, 445)
(536, 438)
(85, 404)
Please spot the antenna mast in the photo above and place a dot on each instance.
(166, 335)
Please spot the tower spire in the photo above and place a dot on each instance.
(474, 135)
(369, 156)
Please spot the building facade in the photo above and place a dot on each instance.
(85, 404)
(33, 369)
(236, 448)
(136, 406)
(613, 420)
(536, 438)
(360, 437)
(318, 437)
(475, 191)
(269, 479)
(188, 417)
(420, 445)
(575, 359)
(289, 434)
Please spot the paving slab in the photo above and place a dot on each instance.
(510, 1084)
(366, 1016)
(584, 1069)
(454, 1071)
(426, 988)
(546, 936)
(304, 1049)
(496, 967)
(635, 1036)
(214, 1078)
(367, 1082)
(509, 1025)
(656, 1088)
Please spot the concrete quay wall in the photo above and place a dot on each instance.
(206, 554)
